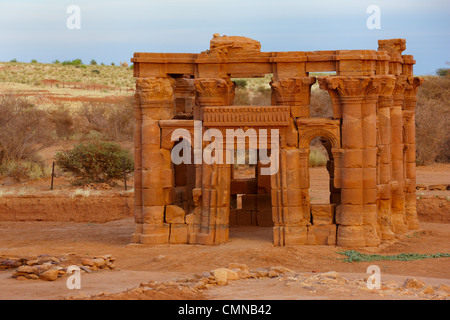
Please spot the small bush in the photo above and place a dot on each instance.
(34, 61)
(240, 83)
(93, 62)
(317, 157)
(98, 162)
(24, 129)
(115, 121)
(242, 97)
(443, 72)
(13, 60)
(75, 62)
(63, 121)
(24, 170)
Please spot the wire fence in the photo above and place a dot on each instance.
(69, 85)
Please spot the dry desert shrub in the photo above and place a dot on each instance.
(113, 121)
(320, 104)
(24, 131)
(433, 121)
(63, 121)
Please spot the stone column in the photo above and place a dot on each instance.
(154, 176)
(409, 124)
(290, 213)
(290, 186)
(385, 103)
(369, 125)
(350, 213)
(215, 178)
(334, 95)
(399, 225)
(184, 96)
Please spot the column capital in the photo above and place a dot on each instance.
(292, 89)
(412, 84)
(387, 85)
(295, 92)
(154, 89)
(353, 87)
(214, 91)
(400, 85)
(399, 90)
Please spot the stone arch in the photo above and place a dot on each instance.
(306, 137)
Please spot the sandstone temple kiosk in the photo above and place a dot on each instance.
(370, 142)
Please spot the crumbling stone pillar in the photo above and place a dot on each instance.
(399, 225)
(153, 171)
(289, 213)
(184, 96)
(385, 103)
(350, 215)
(290, 186)
(409, 121)
(214, 191)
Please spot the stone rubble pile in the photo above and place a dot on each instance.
(327, 281)
(50, 268)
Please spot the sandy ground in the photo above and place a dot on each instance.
(136, 264)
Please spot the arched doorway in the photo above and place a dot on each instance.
(325, 132)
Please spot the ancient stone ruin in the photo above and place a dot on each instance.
(370, 142)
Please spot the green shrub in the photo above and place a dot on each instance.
(443, 72)
(93, 62)
(96, 162)
(355, 256)
(75, 62)
(34, 61)
(240, 83)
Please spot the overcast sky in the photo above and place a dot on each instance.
(112, 30)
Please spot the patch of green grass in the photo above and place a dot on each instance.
(355, 256)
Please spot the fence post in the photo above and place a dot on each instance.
(53, 174)
(124, 174)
